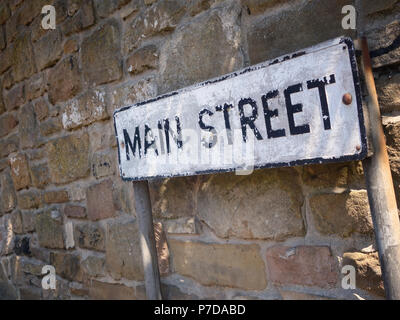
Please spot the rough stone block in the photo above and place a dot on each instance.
(29, 199)
(100, 203)
(68, 158)
(103, 164)
(74, 211)
(368, 271)
(36, 86)
(113, 291)
(206, 48)
(297, 27)
(101, 55)
(39, 175)
(303, 265)
(20, 171)
(50, 230)
(7, 123)
(89, 107)
(67, 265)
(342, 214)
(64, 80)
(90, 236)
(143, 59)
(388, 89)
(264, 205)
(48, 49)
(15, 98)
(58, 196)
(123, 254)
(28, 127)
(22, 58)
(238, 266)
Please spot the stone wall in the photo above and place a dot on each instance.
(274, 234)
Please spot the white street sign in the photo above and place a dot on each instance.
(284, 112)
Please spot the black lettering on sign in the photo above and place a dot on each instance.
(244, 121)
(226, 109)
(268, 114)
(320, 84)
(129, 144)
(149, 141)
(294, 108)
(177, 137)
(160, 134)
(205, 127)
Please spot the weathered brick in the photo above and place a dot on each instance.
(105, 8)
(39, 175)
(142, 59)
(67, 265)
(113, 291)
(8, 145)
(269, 203)
(7, 123)
(368, 271)
(259, 6)
(29, 199)
(206, 48)
(23, 63)
(100, 203)
(5, 59)
(303, 265)
(164, 195)
(380, 40)
(4, 12)
(58, 196)
(50, 229)
(123, 254)
(238, 266)
(28, 127)
(2, 38)
(29, 10)
(36, 86)
(15, 97)
(103, 164)
(71, 46)
(133, 92)
(296, 27)
(94, 266)
(82, 19)
(88, 108)
(16, 222)
(20, 171)
(28, 221)
(48, 49)
(64, 80)
(182, 226)
(50, 126)
(68, 158)
(74, 211)
(102, 136)
(8, 80)
(163, 16)
(12, 28)
(348, 213)
(41, 108)
(101, 60)
(388, 89)
(90, 236)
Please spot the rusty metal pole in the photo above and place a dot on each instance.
(381, 194)
(147, 241)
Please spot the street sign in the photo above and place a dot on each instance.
(298, 109)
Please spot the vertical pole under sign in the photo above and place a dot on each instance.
(147, 241)
(381, 196)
